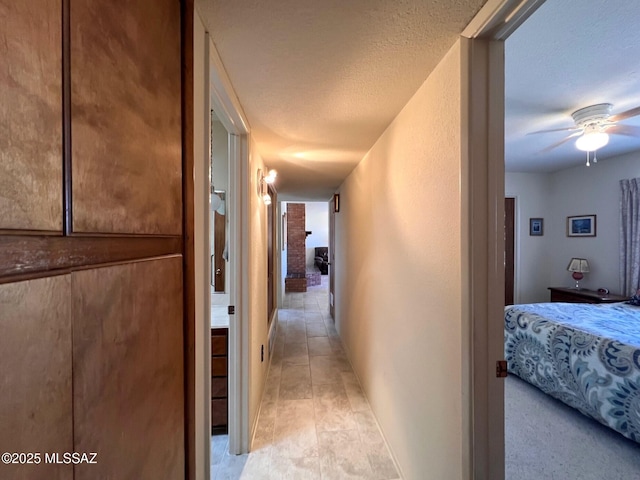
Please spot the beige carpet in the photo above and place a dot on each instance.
(547, 440)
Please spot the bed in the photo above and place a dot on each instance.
(586, 355)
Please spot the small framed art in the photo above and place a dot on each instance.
(581, 226)
(536, 227)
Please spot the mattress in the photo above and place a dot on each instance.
(586, 355)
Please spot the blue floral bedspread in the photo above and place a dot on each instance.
(587, 356)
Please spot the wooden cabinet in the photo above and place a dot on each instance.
(125, 105)
(219, 381)
(128, 381)
(95, 258)
(31, 115)
(35, 355)
(582, 295)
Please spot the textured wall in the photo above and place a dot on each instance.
(257, 286)
(398, 277)
(531, 254)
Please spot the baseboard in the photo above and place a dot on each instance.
(271, 334)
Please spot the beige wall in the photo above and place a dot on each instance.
(257, 286)
(532, 192)
(398, 277)
(541, 262)
(591, 190)
(220, 160)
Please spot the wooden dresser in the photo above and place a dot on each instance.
(219, 408)
(582, 295)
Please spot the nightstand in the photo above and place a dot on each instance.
(582, 295)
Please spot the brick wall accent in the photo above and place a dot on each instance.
(295, 284)
(296, 239)
(296, 248)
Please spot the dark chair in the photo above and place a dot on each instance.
(322, 259)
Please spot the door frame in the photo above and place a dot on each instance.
(332, 256)
(482, 200)
(227, 107)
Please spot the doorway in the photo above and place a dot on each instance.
(483, 100)
(222, 269)
(220, 363)
(509, 249)
(228, 392)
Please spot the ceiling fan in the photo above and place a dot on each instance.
(593, 125)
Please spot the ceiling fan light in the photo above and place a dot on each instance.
(592, 141)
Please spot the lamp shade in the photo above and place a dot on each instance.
(578, 265)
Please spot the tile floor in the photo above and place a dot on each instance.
(314, 422)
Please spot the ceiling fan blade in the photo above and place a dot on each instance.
(567, 129)
(624, 115)
(628, 130)
(561, 142)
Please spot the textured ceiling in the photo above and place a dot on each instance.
(319, 81)
(569, 54)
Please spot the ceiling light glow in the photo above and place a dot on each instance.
(592, 141)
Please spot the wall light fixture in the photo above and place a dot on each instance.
(262, 182)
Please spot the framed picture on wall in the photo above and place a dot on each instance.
(536, 227)
(581, 226)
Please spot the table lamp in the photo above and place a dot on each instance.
(579, 266)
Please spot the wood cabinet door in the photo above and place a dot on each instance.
(126, 116)
(128, 370)
(31, 115)
(35, 359)
(92, 240)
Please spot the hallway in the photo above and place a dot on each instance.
(314, 421)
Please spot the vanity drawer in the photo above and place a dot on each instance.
(218, 367)
(218, 344)
(218, 412)
(219, 387)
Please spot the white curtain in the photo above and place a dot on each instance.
(630, 236)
